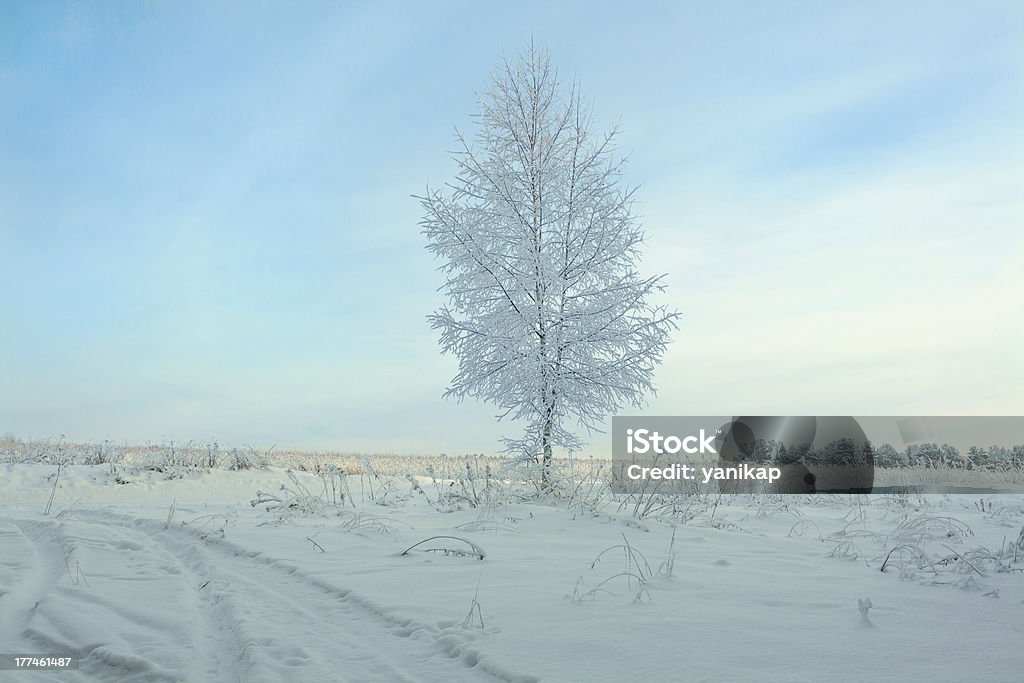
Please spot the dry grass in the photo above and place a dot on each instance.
(582, 481)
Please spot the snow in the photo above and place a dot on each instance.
(184, 580)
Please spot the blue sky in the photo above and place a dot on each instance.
(207, 231)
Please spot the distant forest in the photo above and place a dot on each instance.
(846, 452)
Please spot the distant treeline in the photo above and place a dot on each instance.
(846, 452)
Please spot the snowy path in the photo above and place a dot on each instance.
(235, 614)
(761, 589)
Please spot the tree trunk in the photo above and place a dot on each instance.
(546, 464)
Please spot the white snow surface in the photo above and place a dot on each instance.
(762, 588)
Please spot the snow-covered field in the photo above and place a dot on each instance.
(177, 576)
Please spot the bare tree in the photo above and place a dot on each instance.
(547, 314)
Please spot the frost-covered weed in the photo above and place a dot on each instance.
(294, 498)
(636, 572)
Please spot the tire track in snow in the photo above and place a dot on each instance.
(212, 637)
(207, 623)
(259, 618)
(71, 617)
(27, 576)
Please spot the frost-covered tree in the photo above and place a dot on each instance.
(1017, 456)
(547, 313)
(887, 456)
(977, 456)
